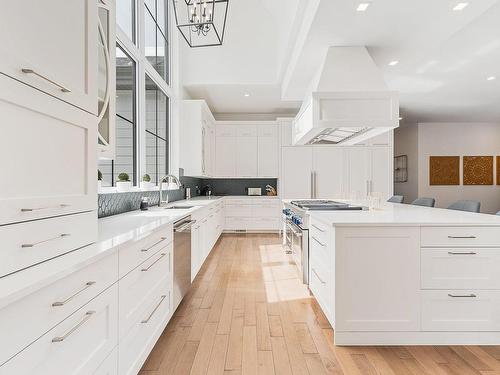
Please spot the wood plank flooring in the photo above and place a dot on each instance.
(248, 313)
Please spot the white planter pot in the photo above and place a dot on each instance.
(147, 186)
(123, 186)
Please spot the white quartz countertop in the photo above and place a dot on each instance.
(404, 214)
(113, 232)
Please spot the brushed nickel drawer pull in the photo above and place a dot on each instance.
(154, 310)
(62, 205)
(462, 237)
(152, 264)
(62, 235)
(88, 315)
(318, 241)
(62, 303)
(472, 295)
(318, 228)
(31, 71)
(153, 245)
(462, 253)
(319, 278)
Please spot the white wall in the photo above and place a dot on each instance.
(458, 139)
(406, 143)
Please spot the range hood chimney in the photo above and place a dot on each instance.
(348, 102)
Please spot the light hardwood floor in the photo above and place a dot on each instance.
(248, 313)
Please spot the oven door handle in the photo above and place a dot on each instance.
(292, 227)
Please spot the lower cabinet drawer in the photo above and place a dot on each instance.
(266, 210)
(133, 254)
(321, 286)
(141, 286)
(39, 312)
(266, 223)
(464, 268)
(27, 244)
(240, 210)
(462, 310)
(460, 236)
(110, 365)
(318, 249)
(77, 346)
(136, 345)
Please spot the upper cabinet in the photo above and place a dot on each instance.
(197, 139)
(106, 78)
(53, 49)
(247, 149)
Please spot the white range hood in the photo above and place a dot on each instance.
(349, 101)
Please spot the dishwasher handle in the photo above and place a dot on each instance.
(183, 225)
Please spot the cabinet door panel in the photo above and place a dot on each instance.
(296, 172)
(329, 172)
(358, 171)
(246, 156)
(50, 160)
(226, 156)
(381, 170)
(268, 156)
(57, 42)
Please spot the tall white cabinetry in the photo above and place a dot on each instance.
(370, 171)
(197, 137)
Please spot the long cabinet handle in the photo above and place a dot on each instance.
(31, 71)
(318, 241)
(153, 245)
(59, 206)
(318, 228)
(462, 253)
(61, 236)
(472, 295)
(152, 264)
(319, 278)
(62, 303)
(162, 298)
(88, 315)
(462, 237)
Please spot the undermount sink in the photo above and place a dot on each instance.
(179, 208)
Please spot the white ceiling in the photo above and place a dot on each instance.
(273, 49)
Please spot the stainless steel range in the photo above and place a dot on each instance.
(296, 227)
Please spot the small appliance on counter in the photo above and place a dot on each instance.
(207, 190)
(144, 204)
(188, 193)
(254, 191)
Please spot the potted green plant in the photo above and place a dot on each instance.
(99, 180)
(146, 183)
(123, 184)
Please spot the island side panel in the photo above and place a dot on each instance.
(377, 279)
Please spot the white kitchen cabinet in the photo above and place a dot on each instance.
(197, 137)
(296, 175)
(369, 171)
(77, 346)
(380, 266)
(328, 172)
(252, 214)
(246, 156)
(106, 73)
(110, 365)
(54, 172)
(226, 156)
(53, 49)
(268, 154)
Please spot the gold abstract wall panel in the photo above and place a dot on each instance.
(478, 170)
(444, 170)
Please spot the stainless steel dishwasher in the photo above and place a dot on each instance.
(182, 259)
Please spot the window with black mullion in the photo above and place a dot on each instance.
(156, 26)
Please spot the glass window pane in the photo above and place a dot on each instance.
(161, 57)
(161, 15)
(150, 37)
(125, 15)
(162, 110)
(162, 157)
(151, 105)
(151, 157)
(151, 6)
(106, 168)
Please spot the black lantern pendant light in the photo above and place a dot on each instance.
(201, 22)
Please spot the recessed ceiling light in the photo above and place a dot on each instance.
(394, 62)
(247, 95)
(362, 7)
(460, 6)
(491, 78)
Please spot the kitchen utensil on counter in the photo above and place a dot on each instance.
(271, 191)
(188, 193)
(254, 191)
(144, 204)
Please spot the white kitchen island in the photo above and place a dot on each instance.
(407, 275)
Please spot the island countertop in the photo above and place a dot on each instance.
(397, 214)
